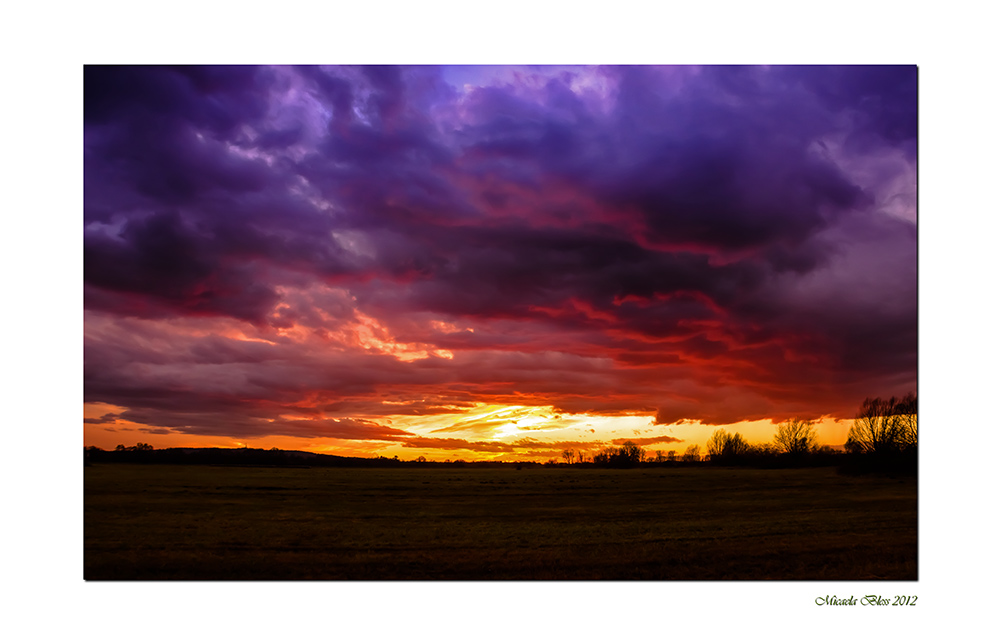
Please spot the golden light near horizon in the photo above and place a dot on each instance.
(532, 432)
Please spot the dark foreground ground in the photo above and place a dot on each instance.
(197, 522)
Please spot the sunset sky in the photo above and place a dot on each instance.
(494, 262)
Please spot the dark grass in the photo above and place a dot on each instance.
(146, 522)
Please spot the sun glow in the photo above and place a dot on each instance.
(480, 432)
(523, 427)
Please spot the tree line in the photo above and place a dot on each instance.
(882, 437)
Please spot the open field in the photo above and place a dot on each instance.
(195, 522)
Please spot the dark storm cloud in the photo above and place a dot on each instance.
(726, 165)
(880, 99)
(219, 98)
(161, 259)
(666, 232)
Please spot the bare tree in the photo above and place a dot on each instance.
(795, 437)
(906, 411)
(568, 456)
(630, 454)
(605, 456)
(884, 425)
(723, 446)
(692, 453)
(717, 443)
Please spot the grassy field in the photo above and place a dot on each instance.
(144, 522)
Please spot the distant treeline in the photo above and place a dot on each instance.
(883, 438)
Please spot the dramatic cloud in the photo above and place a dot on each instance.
(308, 251)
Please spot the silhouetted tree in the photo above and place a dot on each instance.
(724, 447)
(568, 456)
(628, 455)
(692, 454)
(883, 437)
(138, 447)
(795, 437)
(87, 451)
(906, 411)
(884, 426)
(762, 450)
(717, 443)
(605, 457)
